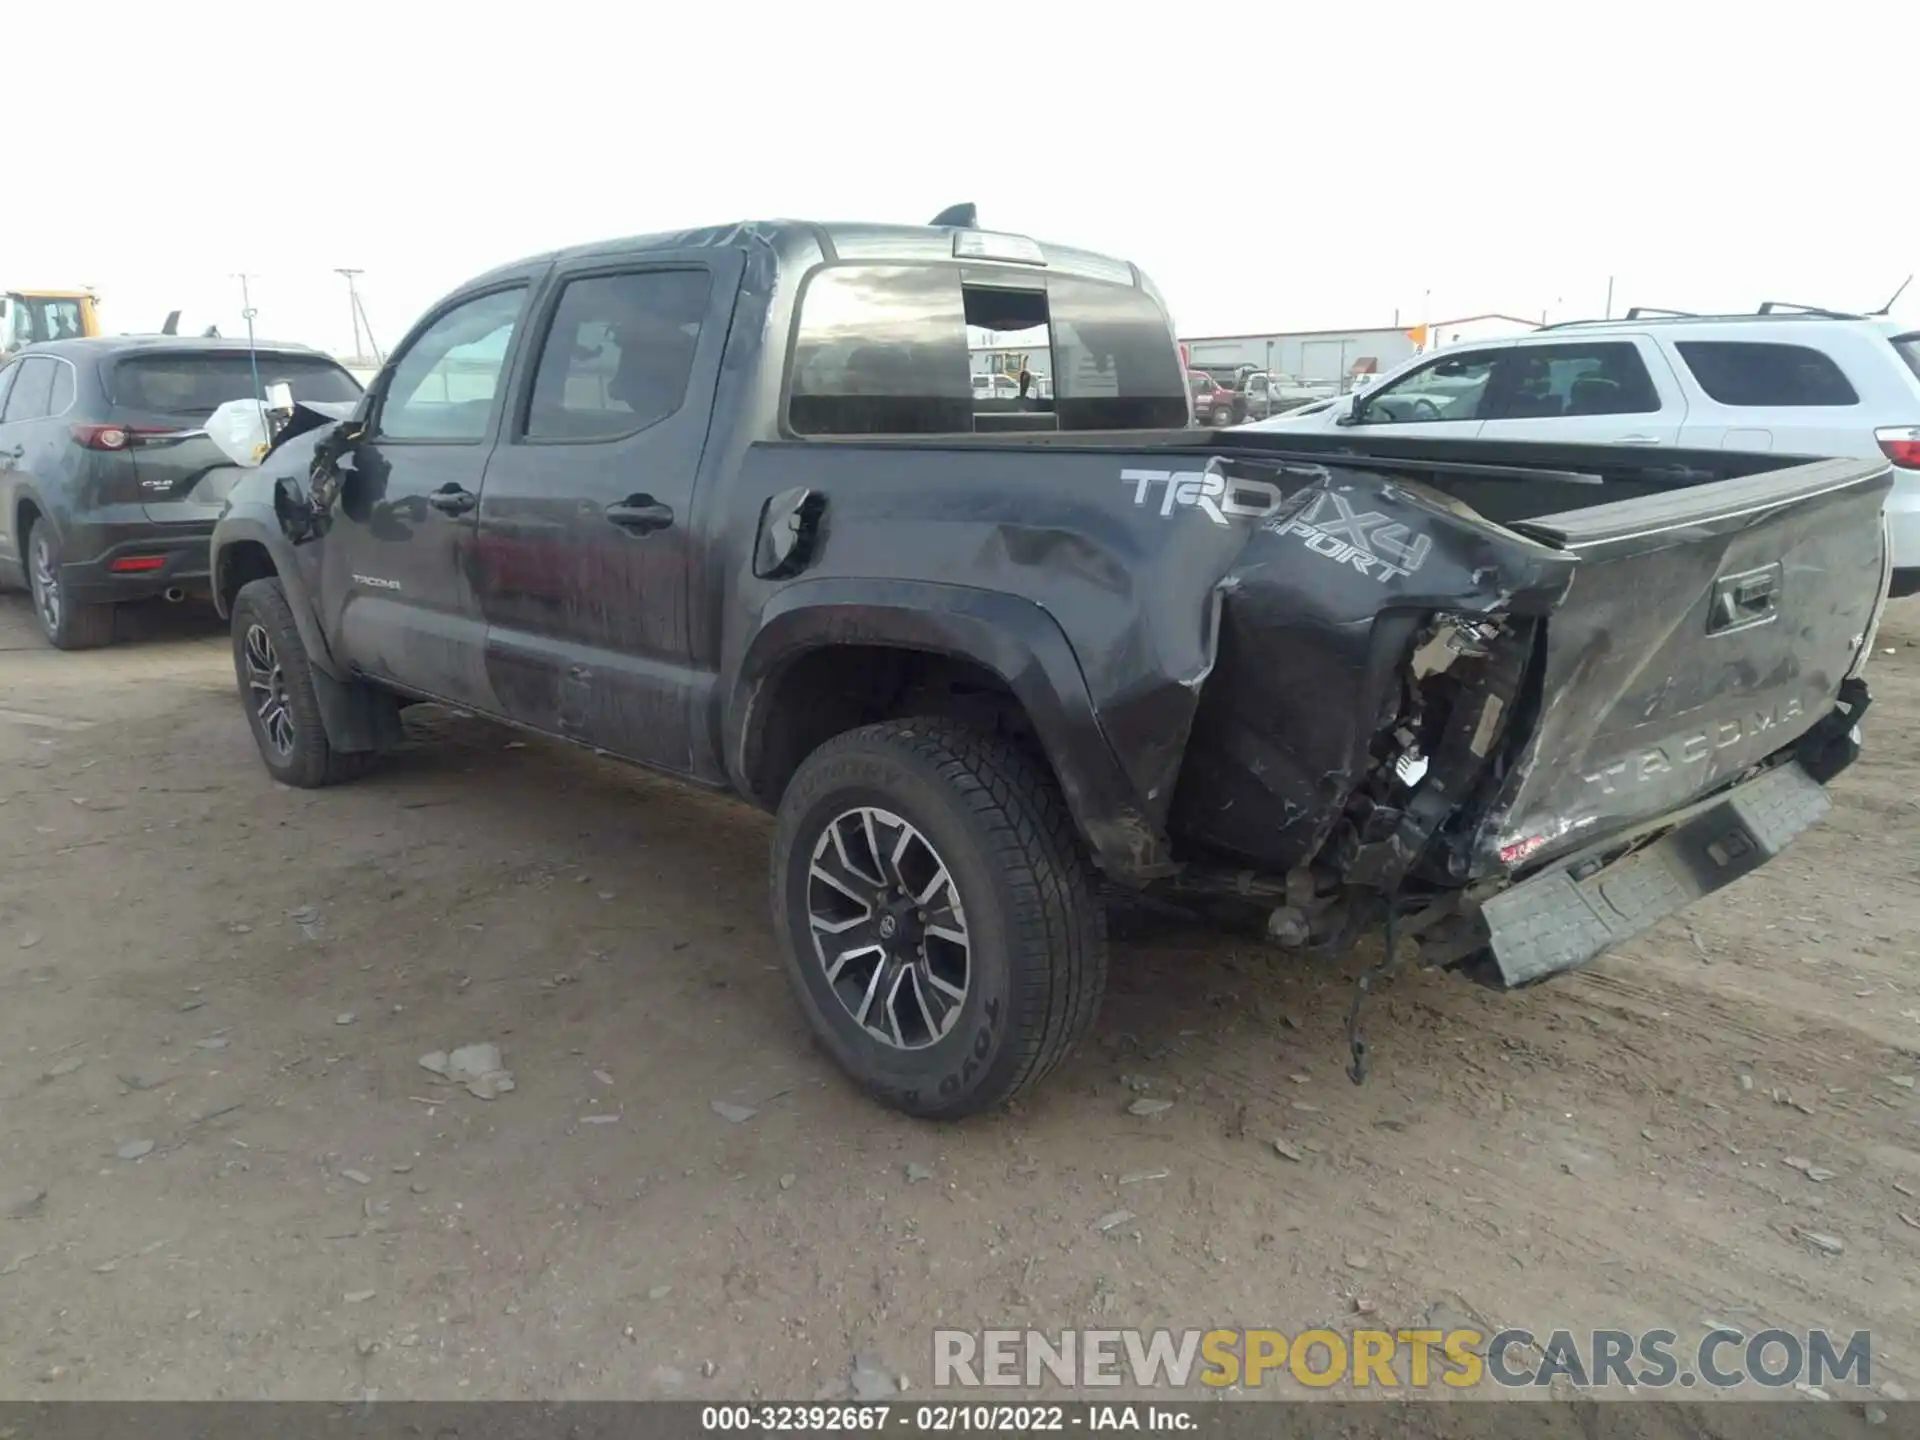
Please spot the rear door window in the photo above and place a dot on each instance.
(1759, 375)
(618, 354)
(188, 384)
(1565, 381)
(32, 390)
(61, 400)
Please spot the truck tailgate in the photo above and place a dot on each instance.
(1703, 630)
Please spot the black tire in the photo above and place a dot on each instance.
(66, 626)
(1037, 962)
(297, 753)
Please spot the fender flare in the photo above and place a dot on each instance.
(257, 524)
(1011, 637)
(356, 716)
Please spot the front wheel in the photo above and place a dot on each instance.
(937, 914)
(276, 685)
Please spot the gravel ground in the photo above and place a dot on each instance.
(223, 1171)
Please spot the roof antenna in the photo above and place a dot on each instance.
(1887, 308)
(172, 325)
(957, 217)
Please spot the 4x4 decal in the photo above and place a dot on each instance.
(1374, 544)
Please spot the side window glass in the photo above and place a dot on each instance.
(618, 355)
(882, 350)
(443, 387)
(1745, 372)
(61, 400)
(1452, 388)
(7, 376)
(32, 388)
(1557, 381)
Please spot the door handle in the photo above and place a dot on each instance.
(640, 514)
(1638, 440)
(16, 453)
(452, 500)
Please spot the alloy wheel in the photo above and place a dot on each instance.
(45, 581)
(267, 691)
(888, 927)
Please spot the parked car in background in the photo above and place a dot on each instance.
(1797, 383)
(1214, 402)
(109, 485)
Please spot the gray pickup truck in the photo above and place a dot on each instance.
(723, 503)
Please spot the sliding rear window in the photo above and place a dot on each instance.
(187, 384)
(943, 349)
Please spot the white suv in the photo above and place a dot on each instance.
(1801, 383)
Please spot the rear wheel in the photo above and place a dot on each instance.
(66, 625)
(937, 914)
(276, 685)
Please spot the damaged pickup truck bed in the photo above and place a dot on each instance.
(723, 503)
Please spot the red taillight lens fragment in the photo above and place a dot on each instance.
(101, 437)
(1901, 445)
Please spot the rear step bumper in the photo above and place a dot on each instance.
(1554, 923)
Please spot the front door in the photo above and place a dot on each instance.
(582, 558)
(394, 592)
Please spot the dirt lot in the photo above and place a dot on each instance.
(243, 978)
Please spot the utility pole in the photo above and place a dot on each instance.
(353, 305)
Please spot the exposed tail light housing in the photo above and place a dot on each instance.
(101, 437)
(1900, 444)
(124, 437)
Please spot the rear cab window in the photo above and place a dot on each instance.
(888, 349)
(1753, 374)
(185, 383)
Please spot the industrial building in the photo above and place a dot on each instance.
(1337, 356)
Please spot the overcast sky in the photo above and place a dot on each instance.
(1273, 166)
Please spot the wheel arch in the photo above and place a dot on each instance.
(1000, 655)
(245, 549)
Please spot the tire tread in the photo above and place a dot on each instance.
(1057, 927)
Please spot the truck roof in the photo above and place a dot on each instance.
(809, 241)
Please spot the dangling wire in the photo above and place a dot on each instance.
(247, 312)
(1363, 987)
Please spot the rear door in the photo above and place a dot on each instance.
(584, 547)
(159, 398)
(1619, 390)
